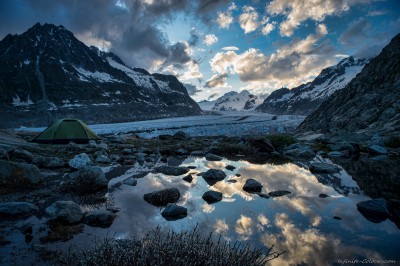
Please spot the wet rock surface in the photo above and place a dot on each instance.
(65, 211)
(174, 212)
(212, 196)
(99, 218)
(252, 186)
(15, 210)
(172, 170)
(162, 197)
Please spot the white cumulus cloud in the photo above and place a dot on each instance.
(210, 39)
(249, 19)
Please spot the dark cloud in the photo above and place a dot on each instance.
(216, 81)
(194, 37)
(191, 89)
(212, 96)
(367, 40)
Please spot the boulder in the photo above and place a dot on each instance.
(213, 157)
(279, 193)
(79, 161)
(180, 135)
(181, 151)
(197, 153)
(65, 211)
(99, 218)
(22, 155)
(162, 197)
(252, 186)
(174, 212)
(230, 167)
(14, 210)
(324, 168)
(188, 178)
(336, 154)
(212, 196)
(103, 159)
(48, 162)
(87, 180)
(130, 181)
(375, 210)
(214, 174)
(376, 149)
(100, 152)
(15, 174)
(323, 195)
(172, 170)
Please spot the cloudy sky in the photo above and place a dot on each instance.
(215, 46)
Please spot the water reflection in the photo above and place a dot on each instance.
(300, 223)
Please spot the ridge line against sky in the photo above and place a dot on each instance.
(215, 46)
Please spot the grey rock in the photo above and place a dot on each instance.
(99, 218)
(300, 151)
(66, 211)
(162, 197)
(213, 157)
(375, 210)
(342, 146)
(263, 195)
(172, 170)
(48, 162)
(19, 174)
(126, 151)
(324, 168)
(180, 135)
(174, 212)
(181, 151)
(130, 181)
(262, 144)
(212, 196)
(14, 210)
(376, 149)
(103, 159)
(279, 193)
(252, 186)
(113, 209)
(197, 153)
(100, 152)
(23, 155)
(79, 161)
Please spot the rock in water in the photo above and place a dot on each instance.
(65, 211)
(376, 149)
(252, 186)
(324, 168)
(14, 210)
(374, 210)
(279, 193)
(214, 174)
(14, 174)
(212, 196)
(172, 170)
(162, 197)
(79, 161)
(213, 157)
(188, 178)
(174, 212)
(99, 218)
(130, 181)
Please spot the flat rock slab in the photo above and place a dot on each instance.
(324, 168)
(279, 193)
(212, 196)
(162, 197)
(15, 210)
(172, 170)
(213, 157)
(376, 149)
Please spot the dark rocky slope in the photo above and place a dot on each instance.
(46, 73)
(370, 103)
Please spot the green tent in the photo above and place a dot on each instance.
(66, 130)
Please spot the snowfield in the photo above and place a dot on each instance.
(226, 123)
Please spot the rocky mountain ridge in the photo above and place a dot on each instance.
(305, 98)
(369, 104)
(233, 101)
(46, 73)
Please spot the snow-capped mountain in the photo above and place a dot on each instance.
(370, 103)
(305, 98)
(47, 73)
(232, 101)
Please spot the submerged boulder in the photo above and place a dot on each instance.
(174, 212)
(212, 196)
(65, 211)
(213, 157)
(375, 210)
(214, 174)
(14, 210)
(324, 168)
(162, 197)
(99, 218)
